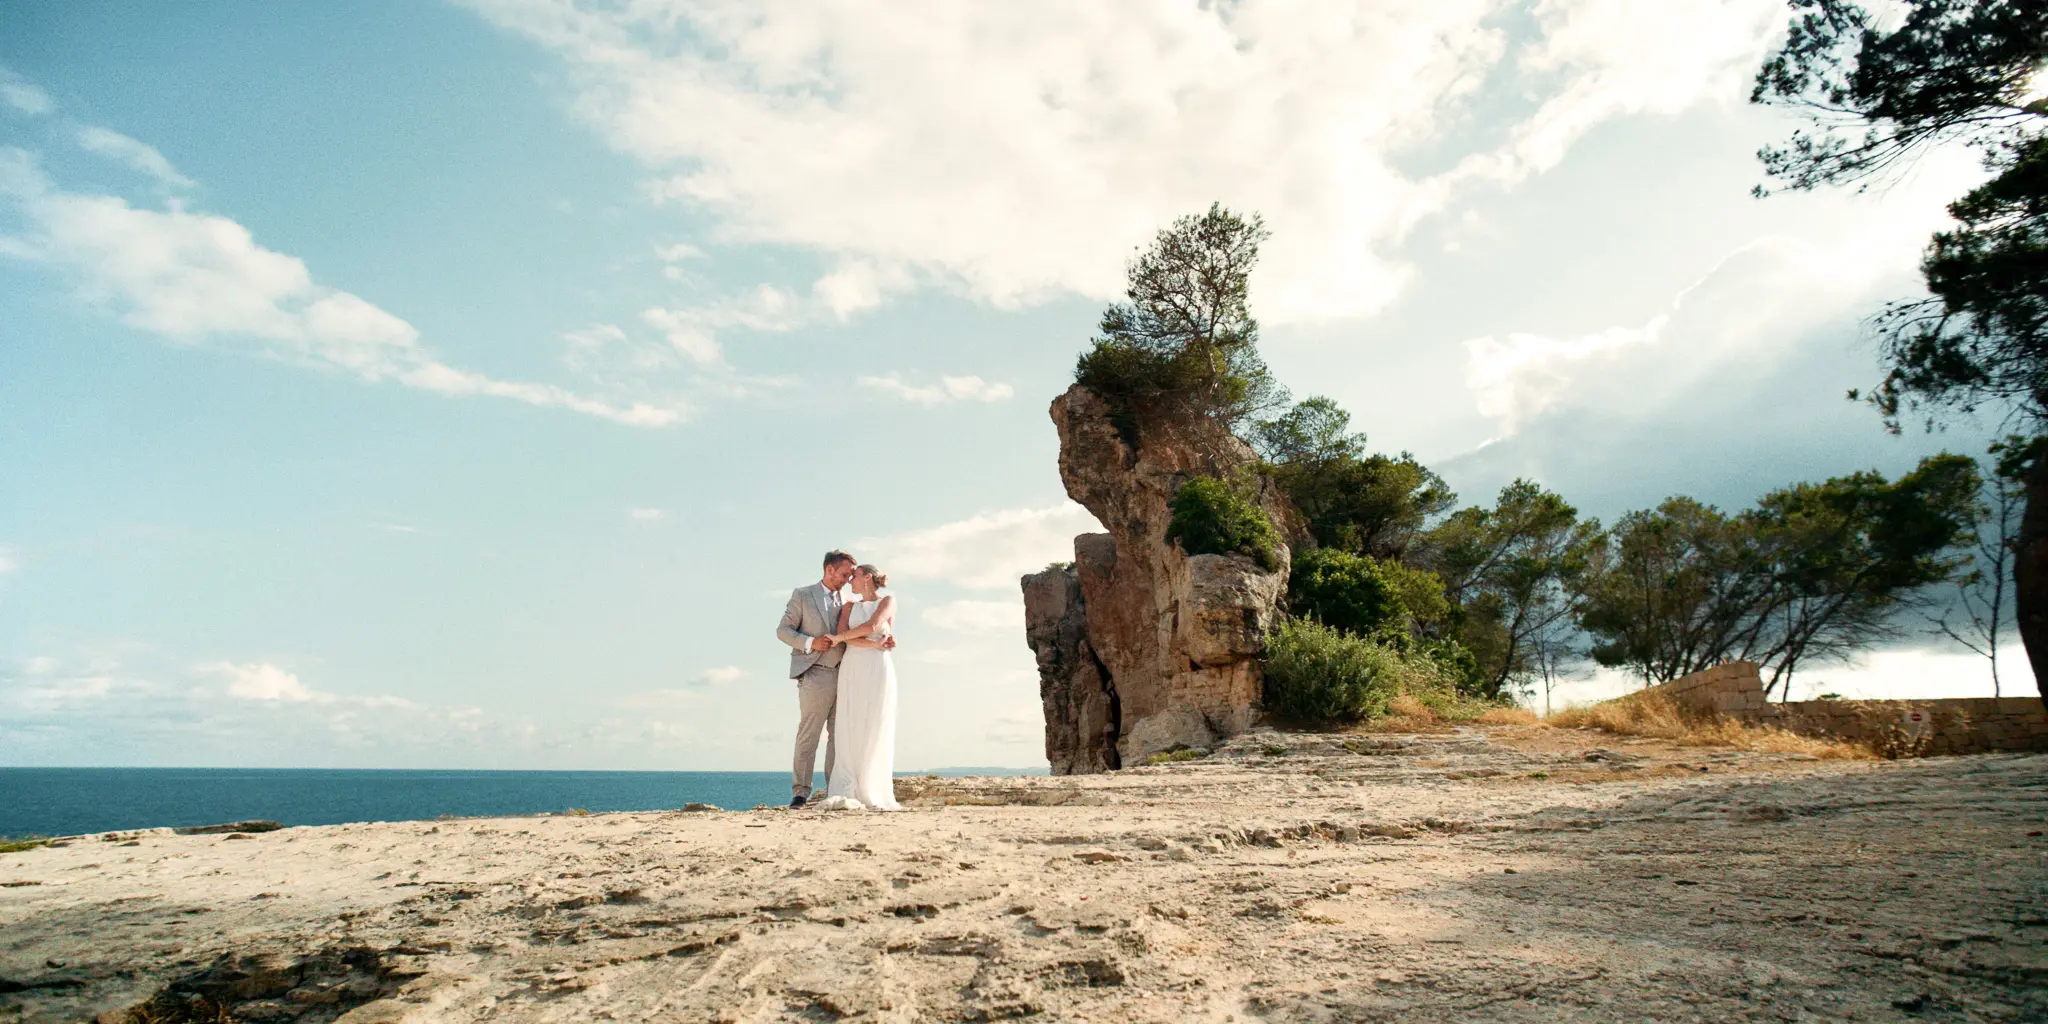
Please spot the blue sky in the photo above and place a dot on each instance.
(465, 384)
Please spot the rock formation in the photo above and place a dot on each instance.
(1081, 713)
(1141, 647)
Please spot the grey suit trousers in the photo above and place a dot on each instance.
(817, 692)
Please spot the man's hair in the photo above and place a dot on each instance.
(834, 557)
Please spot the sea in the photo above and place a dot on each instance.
(73, 801)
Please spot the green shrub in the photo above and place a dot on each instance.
(1176, 754)
(1343, 591)
(1216, 517)
(1456, 663)
(1317, 674)
(1129, 378)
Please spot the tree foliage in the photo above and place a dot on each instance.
(1509, 570)
(1956, 71)
(1184, 343)
(1353, 501)
(1950, 70)
(1364, 595)
(1982, 335)
(1814, 571)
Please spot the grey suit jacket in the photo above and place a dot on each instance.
(812, 611)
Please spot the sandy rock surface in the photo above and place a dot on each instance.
(1524, 875)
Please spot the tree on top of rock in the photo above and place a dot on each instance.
(1184, 343)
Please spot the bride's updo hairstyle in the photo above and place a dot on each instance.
(880, 579)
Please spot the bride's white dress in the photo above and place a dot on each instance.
(864, 726)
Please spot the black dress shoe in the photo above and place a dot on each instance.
(796, 801)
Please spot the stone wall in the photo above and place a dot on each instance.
(1735, 689)
(1970, 725)
(1974, 725)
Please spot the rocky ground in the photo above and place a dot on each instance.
(1523, 874)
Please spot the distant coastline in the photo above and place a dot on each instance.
(76, 801)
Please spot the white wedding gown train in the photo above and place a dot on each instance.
(864, 727)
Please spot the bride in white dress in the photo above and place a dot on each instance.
(864, 715)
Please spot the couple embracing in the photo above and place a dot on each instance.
(845, 685)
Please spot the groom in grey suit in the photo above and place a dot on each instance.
(808, 623)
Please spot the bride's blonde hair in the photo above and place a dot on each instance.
(880, 579)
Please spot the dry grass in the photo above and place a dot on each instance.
(1510, 716)
(1441, 713)
(1407, 714)
(1654, 714)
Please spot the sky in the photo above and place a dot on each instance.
(414, 384)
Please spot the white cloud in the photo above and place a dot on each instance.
(1020, 151)
(242, 713)
(631, 362)
(1514, 378)
(690, 692)
(939, 655)
(668, 732)
(694, 331)
(446, 380)
(721, 675)
(44, 686)
(191, 277)
(1743, 311)
(265, 683)
(644, 515)
(656, 699)
(977, 616)
(7, 560)
(984, 552)
(262, 681)
(23, 95)
(587, 344)
(137, 154)
(946, 391)
(1610, 58)
(2037, 87)
(858, 286)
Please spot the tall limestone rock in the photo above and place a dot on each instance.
(1140, 647)
(1081, 713)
